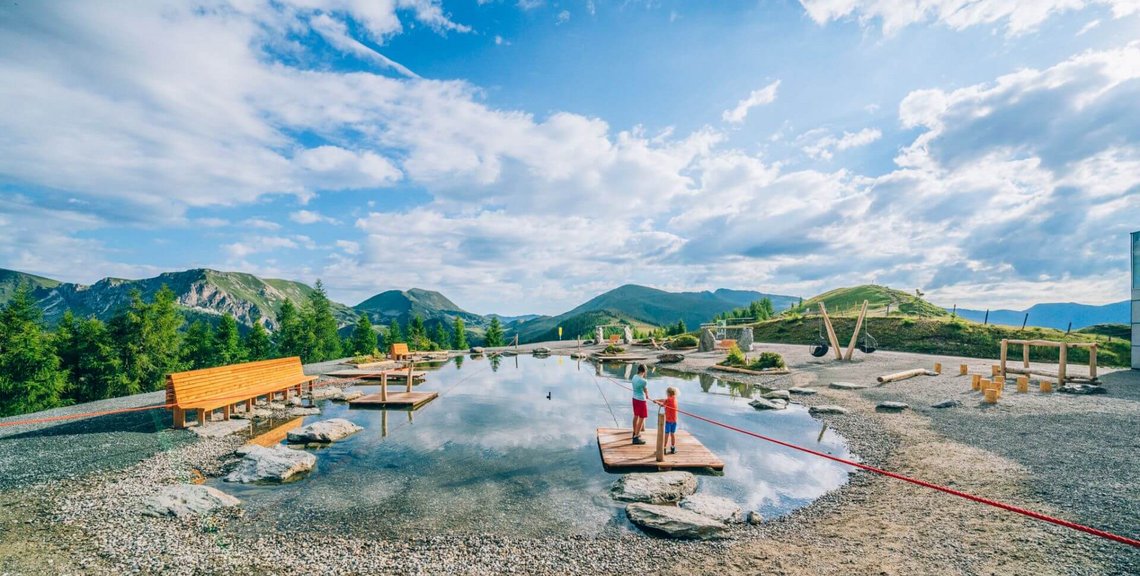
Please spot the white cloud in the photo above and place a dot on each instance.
(261, 224)
(1018, 17)
(259, 244)
(563, 17)
(1092, 24)
(761, 97)
(310, 217)
(821, 144)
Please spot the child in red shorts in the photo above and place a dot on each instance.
(671, 419)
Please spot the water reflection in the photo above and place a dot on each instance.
(494, 454)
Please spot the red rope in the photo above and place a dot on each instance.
(923, 483)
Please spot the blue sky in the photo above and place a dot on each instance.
(522, 156)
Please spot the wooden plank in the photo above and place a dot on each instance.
(855, 335)
(619, 453)
(395, 400)
(830, 332)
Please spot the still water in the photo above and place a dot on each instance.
(493, 454)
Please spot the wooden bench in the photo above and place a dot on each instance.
(726, 343)
(614, 339)
(398, 351)
(205, 391)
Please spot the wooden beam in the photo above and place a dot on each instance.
(830, 332)
(1004, 355)
(1062, 365)
(855, 336)
(1092, 362)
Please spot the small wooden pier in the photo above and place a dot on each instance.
(393, 375)
(620, 454)
(407, 399)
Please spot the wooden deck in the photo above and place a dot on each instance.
(395, 399)
(393, 375)
(619, 454)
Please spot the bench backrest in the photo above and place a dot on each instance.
(398, 350)
(225, 381)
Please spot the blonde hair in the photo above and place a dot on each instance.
(671, 391)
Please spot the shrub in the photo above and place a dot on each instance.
(735, 357)
(612, 349)
(767, 360)
(907, 322)
(683, 341)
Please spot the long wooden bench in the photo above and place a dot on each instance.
(208, 390)
(399, 351)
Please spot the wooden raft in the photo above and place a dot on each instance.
(411, 400)
(619, 453)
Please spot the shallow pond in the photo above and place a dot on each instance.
(493, 454)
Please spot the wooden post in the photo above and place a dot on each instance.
(1062, 365)
(1092, 361)
(660, 436)
(938, 368)
(1022, 384)
(1004, 354)
(383, 423)
(984, 384)
(830, 332)
(976, 382)
(994, 369)
(411, 366)
(855, 335)
(991, 395)
(384, 390)
(1025, 356)
(1046, 386)
(963, 369)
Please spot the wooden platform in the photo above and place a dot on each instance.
(393, 375)
(619, 453)
(395, 399)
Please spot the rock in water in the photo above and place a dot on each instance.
(778, 394)
(654, 487)
(669, 358)
(674, 522)
(745, 341)
(802, 391)
(715, 507)
(276, 464)
(541, 351)
(708, 341)
(946, 404)
(847, 386)
(766, 404)
(326, 392)
(827, 409)
(1082, 389)
(346, 395)
(185, 500)
(323, 431)
(476, 349)
(892, 406)
(302, 411)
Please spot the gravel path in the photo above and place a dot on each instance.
(68, 494)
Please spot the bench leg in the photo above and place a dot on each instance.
(201, 417)
(287, 390)
(249, 405)
(179, 418)
(226, 412)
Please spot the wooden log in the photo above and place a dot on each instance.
(906, 374)
(991, 395)
(411, 376)
(994, 368)
(976, 382)
(1092, 361)
(1022, 384)
(1052, 344)
(660, 454)
(855, 335)
(384, 387)
(984, 385)
(1046, 386)
(1004, 355)
(963, 369)
(938, 368)
(1062, 365)
(830, 332)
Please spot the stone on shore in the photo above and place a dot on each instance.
(708, 341)
(303, 411)
(745, 340)
(715, 507)
(778, 394)
(654, 487)
(1082, 389)
(847, 386)
(827, 409)
(890, 406)
(346, 395)
(541, 351)
(766, 404)
(186, 500)
(323, 431)
(253, 414)
(754, 518)
(476, 349)
(946, 404)
(326, 392)
(674, 522)
(802, 391)
(277, 464)
(668, 358)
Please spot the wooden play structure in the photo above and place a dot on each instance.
(385, 399)
(868, 345)
(206, 391)
(619, 454)
(1061, 375)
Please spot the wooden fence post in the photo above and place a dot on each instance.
(1004, 354)
(1063, 364)
(660, 436)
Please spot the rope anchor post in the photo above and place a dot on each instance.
(660, 455)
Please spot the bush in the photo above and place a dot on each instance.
(683, 341)
(767, 360)
(735, 357)
(612, 349)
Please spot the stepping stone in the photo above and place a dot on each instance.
(802, 391)
(277, 464)
(754, 518)
(827, 409)
(946, 404)
(778, 394)
(715, 507)
(186, 500)
(674, 522)
(654, 487)
(765, 404)
(892, 406)
(323, 431)
(847, 386)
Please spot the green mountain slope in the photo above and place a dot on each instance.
(11, 280)
(849, 300)
(431, 306)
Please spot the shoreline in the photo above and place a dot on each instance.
(870, 524)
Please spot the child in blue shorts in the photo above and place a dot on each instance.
(671, 419)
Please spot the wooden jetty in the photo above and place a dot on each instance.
(619, 453)
(408, 398)
(395, 375)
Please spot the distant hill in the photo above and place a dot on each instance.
(642, 306)
(11, 280)
(431, 306)
(1056, 315)
(199, 292)
(849, 300)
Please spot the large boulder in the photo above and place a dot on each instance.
(346, 395)
(326, 392)
(541, 351)
(476, 349)
(766, 404)
(1082, 389)
(277, 464)
(186, 500)
(654, 487)
(745, 341)
(674, 522)
(827, 409)
(323, 431)
(304, 411)
(627, 335)
(715, 507)
(708, 341)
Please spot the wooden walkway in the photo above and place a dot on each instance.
(619, 453)
(412, 400)
(393, 375)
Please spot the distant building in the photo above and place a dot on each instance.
(1136, 300)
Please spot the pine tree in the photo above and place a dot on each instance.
(323, 340)
(89, 357)
(30, 377)
(257, 344)
(363, 337)
(227, 343)
(681, 328)
(289, 340)
(417, 334)
(442, 338)
(163, 323)
(494, 336)
(459, 338)
(198, 346)
(766, 308)
(394, 334)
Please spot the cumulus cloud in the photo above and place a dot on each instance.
(761, 97)
(823, 145)
(310, 217)
(1018, 17)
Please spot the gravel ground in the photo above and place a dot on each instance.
(68, 494)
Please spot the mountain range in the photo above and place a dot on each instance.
(1056, 315)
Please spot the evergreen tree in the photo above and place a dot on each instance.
(459, 338)
(394, 335)
(442, 338)
(227, 343)
(320, 327)
(148, 340)
(289, 340)
(417, 334)
(198, 346)
(494, 336)
(30, 377)
(363, 337)
(681, 328)
(766, 308)
(87, 354)
(257, 343)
